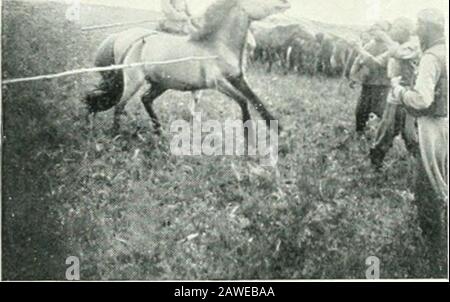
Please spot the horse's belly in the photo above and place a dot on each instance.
(183, 76)
(182, 69)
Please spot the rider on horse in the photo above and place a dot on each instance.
(179, 19)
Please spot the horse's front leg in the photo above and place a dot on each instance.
(241, 85)
(133, 81)
(249, 132)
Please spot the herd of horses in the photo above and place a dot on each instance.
(295, 49)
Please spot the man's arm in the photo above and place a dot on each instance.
(356, 67)
(407, 51)
(420, 98)
(371, 60)
(366, 57)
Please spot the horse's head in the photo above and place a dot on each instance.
(260, 9)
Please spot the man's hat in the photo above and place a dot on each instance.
(432, 16)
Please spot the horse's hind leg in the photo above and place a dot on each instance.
(119, 110)
(132, 83)
(147, 99)
(249, 131)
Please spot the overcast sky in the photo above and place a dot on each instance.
(332, 11)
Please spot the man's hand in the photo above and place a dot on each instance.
(395, 82)
(395, 97)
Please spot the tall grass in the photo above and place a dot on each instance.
(35, 40)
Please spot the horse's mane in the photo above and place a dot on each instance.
(213, 19)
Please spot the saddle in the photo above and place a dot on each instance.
(173, 27)
(126, 40)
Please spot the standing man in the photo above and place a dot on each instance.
(401, 60)
(373, 77)
(428, 102)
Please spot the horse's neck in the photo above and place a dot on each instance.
(233, 33)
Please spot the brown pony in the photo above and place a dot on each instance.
(222, 38)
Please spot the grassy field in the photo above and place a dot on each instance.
(130, 210)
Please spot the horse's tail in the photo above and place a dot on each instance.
(110, 89)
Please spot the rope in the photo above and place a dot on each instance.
(99, 69)
(95, 27)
